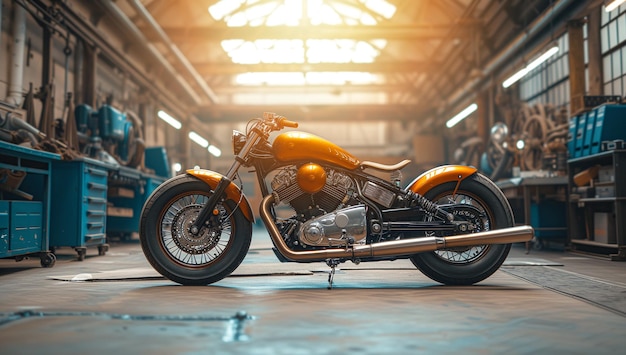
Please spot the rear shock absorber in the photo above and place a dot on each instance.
(416, 199)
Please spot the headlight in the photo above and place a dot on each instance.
(239, 140)
(499, 132)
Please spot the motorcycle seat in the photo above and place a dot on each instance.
(384, 167)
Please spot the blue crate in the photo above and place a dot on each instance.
(610, 125)
(571, 136)
(579, 138)
(590, 124)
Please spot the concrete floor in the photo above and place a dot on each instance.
(544, 302)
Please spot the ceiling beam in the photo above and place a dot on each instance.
(389, 32)
(318, 113)
(209, 69)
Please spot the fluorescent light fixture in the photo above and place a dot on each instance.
(461, 115)
(198, 139)
(535, 63)
(613, 5)
(169, 119)
(215, 150)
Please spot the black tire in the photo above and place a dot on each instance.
(179, 256)
(467, 266)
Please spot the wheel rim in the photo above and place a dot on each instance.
(480, 222)
(186, 249)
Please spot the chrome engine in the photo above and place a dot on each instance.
(343, 227)
(334, 192)
(318, 223)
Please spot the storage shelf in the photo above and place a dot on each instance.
(598, 199)
(595, 244)
(607, 238)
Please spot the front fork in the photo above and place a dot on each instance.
(209, 208)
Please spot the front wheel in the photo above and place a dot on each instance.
(489, 210)
(176, 253)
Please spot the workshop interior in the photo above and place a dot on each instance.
(104, 104)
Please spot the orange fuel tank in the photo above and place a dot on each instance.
(298, 146)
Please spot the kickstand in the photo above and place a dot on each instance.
(332, 263)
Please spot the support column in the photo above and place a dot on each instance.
(576, 66)
(89, 75)
(482, 124)
(596, 87)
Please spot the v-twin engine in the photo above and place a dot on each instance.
(343, 227)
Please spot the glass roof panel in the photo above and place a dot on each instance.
(238, 13)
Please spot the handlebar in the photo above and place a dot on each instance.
(278, 120)
(286, 123)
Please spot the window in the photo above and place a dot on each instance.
(613, 45)
(549, 82)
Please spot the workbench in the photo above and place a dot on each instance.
(540, 202)
(25, 210)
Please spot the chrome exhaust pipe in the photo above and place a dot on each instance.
(395, 247)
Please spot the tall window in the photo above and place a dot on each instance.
(613, 45)
(549, 82)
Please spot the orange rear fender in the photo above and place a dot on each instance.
(440, 175)
(233, 192)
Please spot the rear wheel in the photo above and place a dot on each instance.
(183, 257)
(487, 209)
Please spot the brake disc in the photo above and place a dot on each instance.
(205, 240)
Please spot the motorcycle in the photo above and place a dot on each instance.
(320, 204)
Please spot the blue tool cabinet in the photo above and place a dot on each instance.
(25, 209)
(79, 203)
(128, 191)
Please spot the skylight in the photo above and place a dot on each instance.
(254, 13)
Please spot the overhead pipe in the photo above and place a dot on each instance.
(16, 80)
(121, 16)
(146, 16)
(394, 247)
(505, 55)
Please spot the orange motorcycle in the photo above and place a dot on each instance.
(320, 204)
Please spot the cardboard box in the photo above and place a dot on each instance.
(604, 228)
(606, 174)
(605, 191)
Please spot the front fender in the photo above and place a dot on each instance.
(233, 192)
(440, 175)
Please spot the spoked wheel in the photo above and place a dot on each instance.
(184, 257)
(479, 202)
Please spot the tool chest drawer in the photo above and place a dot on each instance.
(79, 202)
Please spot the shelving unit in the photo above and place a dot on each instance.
(598, 219)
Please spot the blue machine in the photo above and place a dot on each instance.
(107, 124)
(156, 159)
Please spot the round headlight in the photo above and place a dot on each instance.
(499, 132)
(239, 140)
